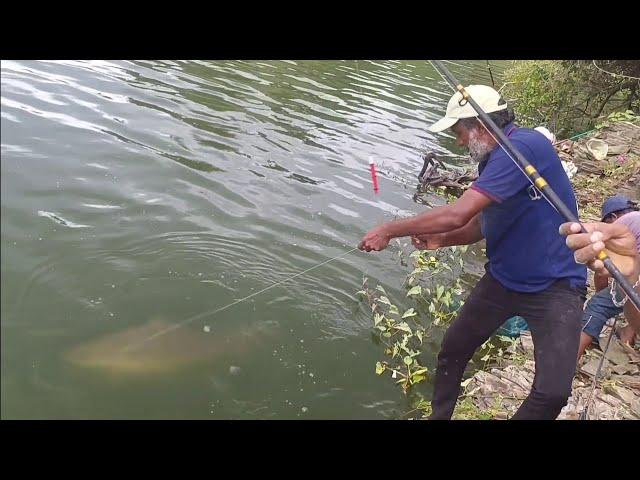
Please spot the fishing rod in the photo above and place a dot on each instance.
(491, 75)
(525, 166)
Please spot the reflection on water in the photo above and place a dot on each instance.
(167, 189)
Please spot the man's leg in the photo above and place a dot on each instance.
(585, 341)
(627, 335)
(599, 309)
(486, 308)
(554, 318)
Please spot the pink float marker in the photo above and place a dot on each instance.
(374, 176)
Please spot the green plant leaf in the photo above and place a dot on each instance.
(417, 290)
(403, 327)
(384, 300)
(409, 313)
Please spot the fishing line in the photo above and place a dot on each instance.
(207, 314)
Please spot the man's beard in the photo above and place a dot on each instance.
(478, 148)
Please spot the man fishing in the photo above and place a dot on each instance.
(531, 272)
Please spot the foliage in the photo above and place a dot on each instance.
(434, 290)
(571, 96)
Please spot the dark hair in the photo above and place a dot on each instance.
(501, 118)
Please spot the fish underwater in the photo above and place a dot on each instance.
(131, 351)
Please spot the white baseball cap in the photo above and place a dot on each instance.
(486, 97)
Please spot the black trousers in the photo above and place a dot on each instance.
(554, 317)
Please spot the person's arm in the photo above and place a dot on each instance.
(437, 220)
(499, 180)
(621, 247)
(618, 240)
(441, 219)
(470, 233)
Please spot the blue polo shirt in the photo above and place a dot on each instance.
(526, 253)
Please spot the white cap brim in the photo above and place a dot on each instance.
(443, 124)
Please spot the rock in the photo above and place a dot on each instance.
(571, 415)
(233, 370)
(622, 393)
(615, 353)
(598, 148)
(591, 367)
(527, 343)
(632, 381)
(518, 380)
(624, 368)
(616, 396)
(618, 149)
(633, 354)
